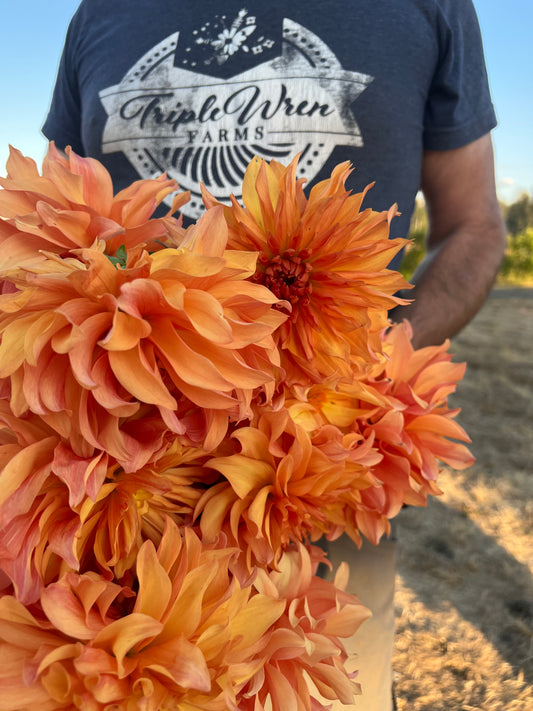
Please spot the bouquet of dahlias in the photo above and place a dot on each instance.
(185, 412)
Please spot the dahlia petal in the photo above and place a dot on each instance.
(134, 372)
(170, 545)
(46, 381)
(191, 366)
(90, 661)
(58, 683)
(56, 168)
(18, 627)
(242, 301)
(33, 188)
(209, 236)
(214, 506)
(81, 350)
(178, 426)
(350, 617)
(182, 662)
(255, 619)
(106, 688)
(437, 375)
(136, 203)
(229, 364)
(244, 474)
(125, 332)
(12, 346)
(207, 316)
(186, 264)
(186, 612)
(14, 198)
(70, 227)
(83, 476)
(108, 392)
(31, 465)
(282, 690)
(126, 633)
(43, 328)
(13, 204)
(436, 424)
(66, 612)
(22, 166)
(97, 183)
(31, 384)
(257, 510)
(145, 296)
(154, 584)
(216, 424)
(16, 696)
(332, 683)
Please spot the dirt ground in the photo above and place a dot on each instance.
(464, 602)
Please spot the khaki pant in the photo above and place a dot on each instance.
(372, 575)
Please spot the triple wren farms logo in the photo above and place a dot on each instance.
(200, 128)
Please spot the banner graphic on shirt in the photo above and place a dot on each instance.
(201, 128)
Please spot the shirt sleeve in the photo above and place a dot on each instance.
(459, 108)
(63, 122)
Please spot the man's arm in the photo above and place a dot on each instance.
(465, 242)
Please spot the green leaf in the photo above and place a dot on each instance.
(120, 258)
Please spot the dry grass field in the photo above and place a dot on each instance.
(464, 602)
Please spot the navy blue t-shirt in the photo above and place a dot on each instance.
(197, 89)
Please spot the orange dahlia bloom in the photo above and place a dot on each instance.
(71, 205)
(87, 343)
(281, 484)
(60, 511)
(401, 406)
(131, 508)
(325, 257)
(189, 636)
(422, 380)
(305, 643)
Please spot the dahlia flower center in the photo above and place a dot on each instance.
(287, 275)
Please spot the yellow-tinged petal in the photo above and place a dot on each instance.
(185, 264)
(186, 612)
(255, 619)
(155, 587)
(243, 473)
(249, 193)
(126, 634)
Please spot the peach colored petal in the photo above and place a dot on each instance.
(125, 332)
(182, 662)
(136, 374)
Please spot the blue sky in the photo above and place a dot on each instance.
(33, 34)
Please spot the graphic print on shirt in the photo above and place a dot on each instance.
(197, 127)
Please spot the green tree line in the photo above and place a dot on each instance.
(517, 265)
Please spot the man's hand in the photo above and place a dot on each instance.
(465, 242)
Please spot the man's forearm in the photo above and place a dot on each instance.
(466, 242)
(453, 282)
